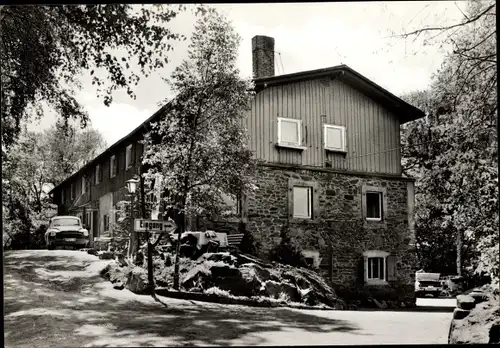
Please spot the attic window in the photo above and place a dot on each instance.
(334, 138)
(289, 132)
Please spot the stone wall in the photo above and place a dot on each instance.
(338, 221)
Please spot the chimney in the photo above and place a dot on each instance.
(262, 56)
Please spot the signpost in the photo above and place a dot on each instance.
(144, 225)
(151, 226)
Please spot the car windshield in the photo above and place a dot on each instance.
(66, 222)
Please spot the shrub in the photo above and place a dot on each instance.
(287, 251)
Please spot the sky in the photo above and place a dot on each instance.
(307, 36)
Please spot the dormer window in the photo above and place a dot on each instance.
(334, 138)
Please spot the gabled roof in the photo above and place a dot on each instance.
(402, 109)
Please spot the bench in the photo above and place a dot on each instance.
(234, 240)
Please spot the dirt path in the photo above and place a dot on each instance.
(57, 299)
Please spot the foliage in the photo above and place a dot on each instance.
(199, 148)
(29, 172)
(288, 251)
(45, 48)
(248, 245)
(453, 152)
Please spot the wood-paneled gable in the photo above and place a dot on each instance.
(372, 132)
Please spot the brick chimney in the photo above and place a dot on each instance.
(262, 56)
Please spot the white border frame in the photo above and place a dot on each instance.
(325, 145)
(372, 254)
(299, 124)
(309, 208)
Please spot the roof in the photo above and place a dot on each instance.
(405, 111)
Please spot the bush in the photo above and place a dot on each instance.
(248, 244)
(287, 252)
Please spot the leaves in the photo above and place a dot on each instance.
(45, 48)
(199, 147)
(453, 152)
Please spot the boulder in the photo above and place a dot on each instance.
(137, 280)
(199, 274)
(465, 302)
(118, 286)
(106, 255)
(260, 272)
(459, 313)
(478, 296)
(219, 257)
(274, 289)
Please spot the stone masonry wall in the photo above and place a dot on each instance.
(339, 219)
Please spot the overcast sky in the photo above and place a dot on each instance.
(307, 36)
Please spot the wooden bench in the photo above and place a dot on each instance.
(234, 240)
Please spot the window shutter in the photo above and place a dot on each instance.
(361, 270)
(391, 268)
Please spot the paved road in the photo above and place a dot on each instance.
(56, 299)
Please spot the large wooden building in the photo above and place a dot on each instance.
(329, 144)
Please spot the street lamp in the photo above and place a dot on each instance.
(131, 187)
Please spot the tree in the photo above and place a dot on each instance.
(30, 169)
(454, 151)
(199, 148)
(44, 48)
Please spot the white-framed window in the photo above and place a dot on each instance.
(334, 137)
(302, 202)
(128, 157)
(112, 166)
(289, 131)
(374, 203)
(97, 174)
(232, 204)
(375, 262)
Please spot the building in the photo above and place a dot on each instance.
(329, 143)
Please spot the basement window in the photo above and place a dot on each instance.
(375, 266)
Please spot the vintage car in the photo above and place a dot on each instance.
(66, 231)
(427, 283)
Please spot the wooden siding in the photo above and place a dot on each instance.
(372, 132)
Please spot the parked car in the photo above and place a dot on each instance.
(427, 283)
(66, 231)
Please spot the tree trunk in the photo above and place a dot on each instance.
(459, 253)
(180, 221)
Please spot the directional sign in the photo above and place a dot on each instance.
(144, 225)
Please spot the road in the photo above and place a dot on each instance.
(57, 299)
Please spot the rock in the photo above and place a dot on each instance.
(244, 258)
(402, 305)
(224, 271)
(478, 296)
(494, 334)
(106, 255)
(251, 279)
(118, 286)
(274, 289)
(384, 304)
(261, 273)
(465, 302)
(459, 313)
(137, 280)
(200, 273)
(222, 257)
(121, 259)
(92, 251)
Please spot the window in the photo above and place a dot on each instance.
(83, 184)
(289, 132)
(374, 206)
(302, 202)
(232, 204)
(106, 222)
(375, 266)
(112, 166)
(98, 174)
(73, 191)
(128, 157)
(63, 196)
(334, 137)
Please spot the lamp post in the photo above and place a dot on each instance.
(131, 187)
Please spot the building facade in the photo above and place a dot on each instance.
(328, 144)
